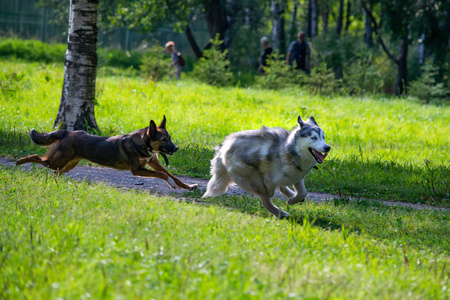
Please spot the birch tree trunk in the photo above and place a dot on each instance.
(278, 34)
(76, 109)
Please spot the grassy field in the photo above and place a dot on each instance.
(69, 240)
(383, 148)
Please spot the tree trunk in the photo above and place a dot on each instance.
(348, 14)
(292, 27)
(402, 74)
(340, 19)
(278, 34)
(191, 39)
(76, 109)
(314, 18)
(309, 19)
(325, 15)
(368, 30)
(216, 20)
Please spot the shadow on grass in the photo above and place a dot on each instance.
(407, 226)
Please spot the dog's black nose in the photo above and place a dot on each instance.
(327, 149)
(175, 149)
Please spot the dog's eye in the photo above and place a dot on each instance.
(314, 138)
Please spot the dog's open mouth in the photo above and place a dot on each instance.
(318, 156)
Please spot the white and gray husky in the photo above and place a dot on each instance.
(261, 160)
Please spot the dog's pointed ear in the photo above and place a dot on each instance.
(311, 120)
(151, 131)
(300, 122)
(163, 123)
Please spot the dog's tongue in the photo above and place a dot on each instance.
(320, 155)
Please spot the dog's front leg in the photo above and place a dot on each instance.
(157, 167)
(154, 174)
(301, 193)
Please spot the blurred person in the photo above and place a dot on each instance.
(300, 52)
(264, 54)
(177, 60)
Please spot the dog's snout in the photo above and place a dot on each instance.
(175, 149)
(327, 148)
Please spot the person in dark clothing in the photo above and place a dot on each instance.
(264, 54)
(300, 52)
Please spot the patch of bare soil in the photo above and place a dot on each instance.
(125, 180)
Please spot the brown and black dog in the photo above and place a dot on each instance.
(123, 152)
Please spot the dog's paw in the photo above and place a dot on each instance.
(172, 183)
(192, 187)
(295, 200)
(283, 215)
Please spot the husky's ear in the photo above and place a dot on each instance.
(300, 122)
(311, 120)
(163, 123)
(151, 131)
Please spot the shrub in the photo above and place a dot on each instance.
(362, 76)
(213, 67)
(277, 74)
(321, 80)
(10, 82)
(119, 58)
(156, 63)
(425, 88)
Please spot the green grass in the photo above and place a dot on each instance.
(385, 148)
(72, 240)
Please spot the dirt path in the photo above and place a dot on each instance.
(125, 180)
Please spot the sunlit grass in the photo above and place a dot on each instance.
(379, 145)
(67, 239)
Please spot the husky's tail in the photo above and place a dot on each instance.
(220, 180)
(46, 139)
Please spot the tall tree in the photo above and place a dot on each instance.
(397, 21)
(76, 109)
(340, 19)
(278, 31)
(293, 27)
(314, 18)
(368, 30)
(348, 15)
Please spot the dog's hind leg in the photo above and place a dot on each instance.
(255, 185)
(274, 210)
(301, 193)
(218, 184)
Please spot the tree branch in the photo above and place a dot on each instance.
(191, 39)
(380, 40)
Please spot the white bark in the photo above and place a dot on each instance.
(76, 109)
(278, 34)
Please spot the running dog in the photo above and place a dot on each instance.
(123, 152)
(261, 160)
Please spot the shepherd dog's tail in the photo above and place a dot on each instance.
(46, 139)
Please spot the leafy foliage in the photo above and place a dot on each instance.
(425, 88)
(362, 76)
(277, 74)
(213, 67)
(155, 63)
(321, 81)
